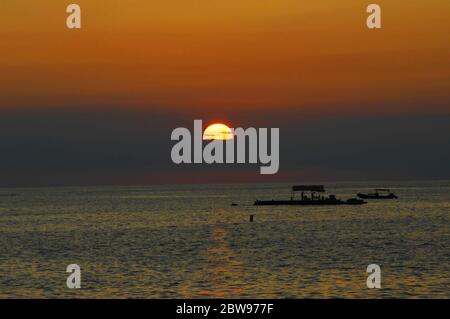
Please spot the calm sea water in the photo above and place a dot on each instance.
(187, 241)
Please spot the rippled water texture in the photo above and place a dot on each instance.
(187, 241)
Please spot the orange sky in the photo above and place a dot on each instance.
(216, 54)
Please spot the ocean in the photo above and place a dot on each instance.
(187, 241)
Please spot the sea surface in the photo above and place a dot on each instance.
(188, 241)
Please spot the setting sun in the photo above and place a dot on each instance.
(218, 131)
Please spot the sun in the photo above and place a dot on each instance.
(218, 131)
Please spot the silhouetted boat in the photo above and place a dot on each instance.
(313, 199)
(380, 193)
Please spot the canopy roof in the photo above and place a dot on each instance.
(308, 188)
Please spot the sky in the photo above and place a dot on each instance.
(97, 105)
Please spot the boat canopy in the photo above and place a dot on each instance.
(308, 188)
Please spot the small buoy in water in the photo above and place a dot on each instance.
(251, 218)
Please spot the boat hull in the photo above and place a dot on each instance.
(374, 196)
(308, 202)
